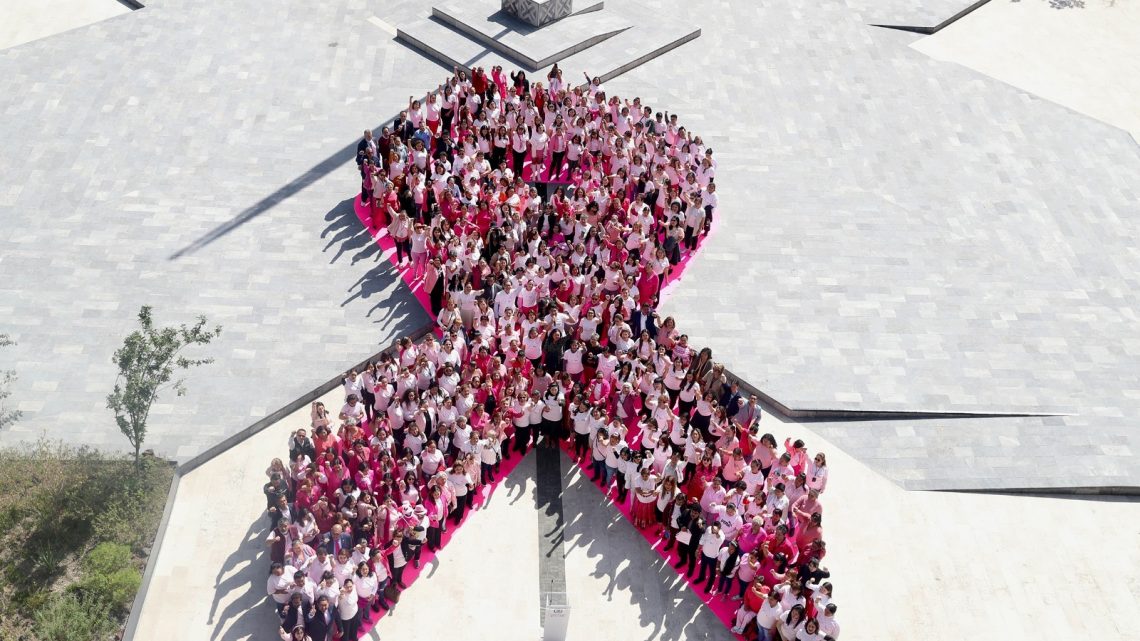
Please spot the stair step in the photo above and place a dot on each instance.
(535, 48)
(650, 36)
(447, 46)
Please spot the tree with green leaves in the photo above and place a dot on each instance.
(147, 363)
(7, 377)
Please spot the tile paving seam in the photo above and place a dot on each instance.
(1127, 492)
(810, 415)
(926, 31)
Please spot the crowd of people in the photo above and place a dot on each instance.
(546, 337)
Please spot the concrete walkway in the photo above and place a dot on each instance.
(22, 22)
(209, 576)
(936, 565)
(1083, 54)
(905, 564)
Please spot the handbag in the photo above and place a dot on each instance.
(391, 593)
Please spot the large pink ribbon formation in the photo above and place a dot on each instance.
(723, 608)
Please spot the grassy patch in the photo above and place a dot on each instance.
(76, 526)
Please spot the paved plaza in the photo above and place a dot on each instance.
(22, 22)
(925, 248)
(899, 234)
(1021, 567)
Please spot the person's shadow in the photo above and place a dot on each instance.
(241, 581)
(344, 234)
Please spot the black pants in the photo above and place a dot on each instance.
(498, 155)
(690, 238)
(685, 408)
(688, 552)
(445, 116)
(403, 248)
(434, 539)
(522, 438)
(349, 628)
(519, 159)
(369, 402)
(708, 564)
(437, 296)
(556, 160)
(412, 550)
(397, 573)
(701, 422)
(581, 444)
(623, 487)
(460, 508)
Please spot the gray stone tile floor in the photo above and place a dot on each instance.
(910, 13)
(903, 234)
(185, 156)
(897, 233)
(643, 32)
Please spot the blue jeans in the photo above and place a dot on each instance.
(764, 635)
(611, 472)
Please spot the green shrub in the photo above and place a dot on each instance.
(107, 558)
(68, 617)
(57, 501)
(116, 589)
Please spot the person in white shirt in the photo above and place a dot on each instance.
(729, 520)
(367, 588)
(329, 588)
(613, 457)
(552, 403)
(538, 143)
(770, 612)
(809, 631)
(348, 612)
(488, 450)
(727, 563)
(461, 489)
(353, 411)
(319, 565)
(827, 623)
(776, 500)
(353, 384)
(305, 587)
(280, 584)
(710, 544)
(790, 622)
(431, 460)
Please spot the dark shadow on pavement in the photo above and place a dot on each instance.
(345, 234)
(248, 615)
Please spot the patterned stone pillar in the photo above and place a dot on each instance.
(538, 12)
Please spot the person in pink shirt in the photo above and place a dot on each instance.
(805, 506)
(797, 453)
(734, 466)
(753, 535)
(809, 533)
